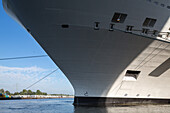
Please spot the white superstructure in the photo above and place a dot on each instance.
(108, 49)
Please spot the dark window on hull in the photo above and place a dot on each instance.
(119, 17)
(149, 22)
(132, 73)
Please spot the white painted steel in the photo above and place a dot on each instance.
(95, 61)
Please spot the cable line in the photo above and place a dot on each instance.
(153, 56)
(137, 67)
(15, 58)
(42, 78)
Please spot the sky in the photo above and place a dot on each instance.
(18, 74)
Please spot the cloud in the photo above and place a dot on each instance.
(22, 75)
(18, 78)
(25, 69)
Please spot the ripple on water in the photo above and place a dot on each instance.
(65, 106)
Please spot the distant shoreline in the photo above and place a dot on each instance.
(34, 97)
(46, 97)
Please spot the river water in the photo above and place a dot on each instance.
(64, 105)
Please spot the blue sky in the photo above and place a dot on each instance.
(16, 75)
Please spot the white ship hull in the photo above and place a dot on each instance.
(105, 65)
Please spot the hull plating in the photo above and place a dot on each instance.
(96, 60)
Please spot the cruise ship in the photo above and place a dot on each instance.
(114, 52)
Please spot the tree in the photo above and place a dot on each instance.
(7, 92)
(24, 91)
(16, 93)
(38, 92)
(1, 90)
(33, 93)
(29, 92)
(44, 93)
(21, 93)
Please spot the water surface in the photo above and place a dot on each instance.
(65, 106)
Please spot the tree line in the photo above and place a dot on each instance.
(23, 92)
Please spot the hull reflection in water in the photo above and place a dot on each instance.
(132, 109)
